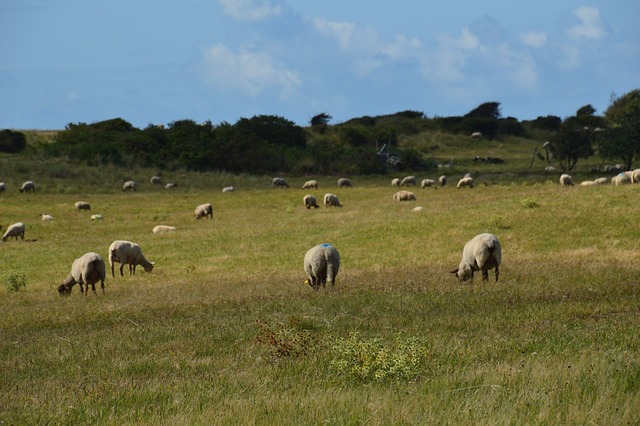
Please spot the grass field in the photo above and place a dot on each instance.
(223, 331)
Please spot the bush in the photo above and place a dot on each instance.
(12, 142)
(14, 280)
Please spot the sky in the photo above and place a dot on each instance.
(158, 61)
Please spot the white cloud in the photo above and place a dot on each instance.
(467, 40)
(534, 39)
(341, 31)
(251, 10)
(250, 72)
(589, 25)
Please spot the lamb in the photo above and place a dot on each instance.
(344, 183)
(443, 180)
(331, 200)
(321, 263)
(155, 180)
(96, 217)
(82, 205)
(310, 201)
(404, 196)
(128, 253)
(46, 217)
(229, 189)
(408, 181)
(129, 186)
(395, 182)
(160, 229)
(279, 183)
(566, 180)
(427, 183)
(481, 253)
(204, 210)
(2, 187)
(310, 184)
(464, 182)
(15, 230)
(28, 186)
(87, 269)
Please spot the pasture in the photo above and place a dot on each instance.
(223, 331)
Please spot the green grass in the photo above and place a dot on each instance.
(224, 331)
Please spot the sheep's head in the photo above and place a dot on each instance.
(150, 268)
(463, 273)
(64, 290)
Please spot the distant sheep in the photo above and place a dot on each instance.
(635, 176)
(310, 201)
(170, 185)
(321, 263)
(155, 180)
(427, 183)
(464, 182)
(476, 136)
(481, 253)
(622, 178)
(82, 205)
(87, 269)
(566, 180)
(46, 217)
(279, 183)
(587, 183)
(28, 186)
(160, 229)
(442, 180)
(2, 187)
(601, 181)
(344, 183)
(404, 196)
(395, 182)
(128, 253)
(96, 217)
(331, 200)
(408, 181)
(549, 169)
(129, 186)
(310, 184)
(204, 210)
(229, 189)
(16, 230)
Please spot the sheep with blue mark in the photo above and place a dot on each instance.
(321, 263)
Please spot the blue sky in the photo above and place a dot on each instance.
(156, 61)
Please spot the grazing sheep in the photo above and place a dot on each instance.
(96, 217)
(82, 205)
(128, 253)
(170, 185)
(549, 169)
(481, 253)
(408, 181)
(443, 180)
(310, 201)
(344, 183)
(395, 182)
(46, 217)
(15, 230)
(160, 229)
(2, 187)
(427, 183)
(587, 183)
(279, 183)
(464, 182)
(331, 200)
(229, 189)
(622, 178)
(635, 176)
(204, 210)
(404, 196)
(87, 269)
(476, 136)
(155, 180)
(129, 186)
(601, 181)
(566, 180)
(418, 209)
(28, 186)
(310, 184)
(321, 263)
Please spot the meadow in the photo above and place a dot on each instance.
(224, 331)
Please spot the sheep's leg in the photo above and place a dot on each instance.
(132, 268)
(121, 268)
(485, 275)
(93, 287)
(81, 288)
(497, 273)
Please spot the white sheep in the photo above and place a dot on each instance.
(87, 269)
(622, 178)
(601, 181)
(279, 182)
(482, 253)
(395, 182)
(549, 169)
(3, 187)
(160, 229)
(331, 200)
(408, 181)
(321, 263)
(82, 205)
(170, 185)
(476, 136)
(310, 184)
(28, 186)
(344, 183)
(587, 183)
(443, 180)
(129, 186)
(635, 176)
(310, 201)
(404, 196)
(155, 180)
(46, 217)
(128, 253)
(427, 183)
(566, 180)
(204, 210)
(15, 230)
(464, 182)
(96, 217)
(229, 189)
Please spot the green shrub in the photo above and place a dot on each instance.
(14, 280)
(529, 203)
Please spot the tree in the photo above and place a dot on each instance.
(320, 120)
(571, 143)
(11, 141)
(486, 110)
(622, 137)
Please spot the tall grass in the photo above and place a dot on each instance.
(200, 339)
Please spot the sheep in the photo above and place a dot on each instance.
(310, 184)
(601, 181)
(464, 182)
(15, 230)
(408, 181)
(229, 189)
(155, 180)
(170, 185)
(482, 253)
(476, 136)
(549, 169)
(2, 187)
(427, 183)
(321, 263)
(45, 217)
(331, 200)
(129, 186)
(28, 186)
(587, 183)
(82, 205)
(344, 183)
(418, 209)
(566, 180)
(310, 201)
(622, 178)
(443, 180)
(635, 176)
(278, 182)
(204, 210)
(87, 269)
(404, 196)
(395, 182)
(128, 253)
(160, 229)
(96, 217)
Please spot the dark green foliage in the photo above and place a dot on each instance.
(490, 110)
(571, 143)
(11, 141)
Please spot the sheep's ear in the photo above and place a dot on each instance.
(455, 271)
